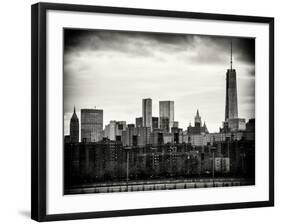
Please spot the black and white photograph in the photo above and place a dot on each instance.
(147, 111)
(139, 111)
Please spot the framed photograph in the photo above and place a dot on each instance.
(139, 111)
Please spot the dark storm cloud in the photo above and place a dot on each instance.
(245, 49)
(215, 49)
(242, 48)
(211, 49)
(106, 39)
(131, 43)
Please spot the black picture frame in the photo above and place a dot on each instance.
(38, 110)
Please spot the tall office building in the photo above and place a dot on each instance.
(138, 122)
(91, 125)
(155, 123)
(166, 115)
(74, 128)
(231, 108)
(232, 122)
(147, 113)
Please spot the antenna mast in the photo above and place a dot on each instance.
(231, 54)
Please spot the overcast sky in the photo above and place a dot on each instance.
(115, 70)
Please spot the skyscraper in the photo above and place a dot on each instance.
(147, 112)
(139, 122)
(91, 125)
(231, 108)
(166, 115)
(155, 123)
(74, 128)
(232, 122)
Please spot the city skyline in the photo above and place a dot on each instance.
(194, 120)
(138, 100)
(188, 85)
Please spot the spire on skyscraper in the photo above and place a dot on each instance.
(74, 115)
(231, 54)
